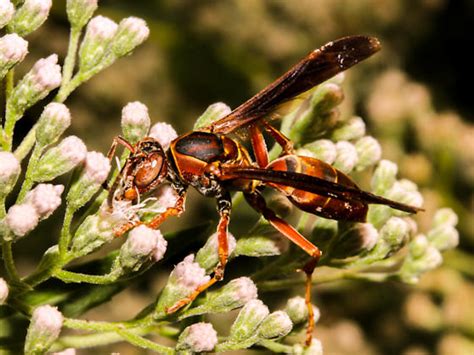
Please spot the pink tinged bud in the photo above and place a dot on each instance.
(73, 150)
(135, 121)
(3, 291)
(101, 28)
(69, 351)
(166, 197)
(54, 120)
(45, 198)
(80, 11)
(189, 274)
(132, 31)
(46, 73)
(276, 325)
(208, 256)
(199, 337)
(13, 49)
(22, 219)
(143, 240)
(9, 169)
(160, 247)
(163, 133)
(245, 289)
(30, 16)
(6, 12)
(97, 167)
(44, 329)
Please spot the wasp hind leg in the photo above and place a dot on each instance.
(258, 203)
(224, 207)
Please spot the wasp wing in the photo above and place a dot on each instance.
(318, 66)
(312, 184)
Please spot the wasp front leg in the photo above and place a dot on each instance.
(111, 153)
(258, 203)
(224, 206)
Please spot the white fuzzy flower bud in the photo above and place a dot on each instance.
(208, 256)
(197, 338)
(13, 50)
(322, 149)
(135, 121)
(68, 351)
(140, 247)
(44, 329)
(391, 237)
(422, 257)
(35, 85)
(9, 171)
(131, 32)
(369, 152)
(352, 129)
(6, 12)
(166, 197)
(405, 192)
(445, 216)
(164, 133)
(248, 320)
(276, 325)
(183, 280)
(96, 170)
(3, 291)
(45, 198)
(22, 219)
(443, 237)
(99, 34)
(297, 310)
(213, 113)
(346, 156)
(384, 176)
(30, 16)
(60, 159)
(355, 239)
(80, 11)
(54, 120)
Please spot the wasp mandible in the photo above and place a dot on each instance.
(215, 164)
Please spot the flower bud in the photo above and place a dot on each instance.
(418, 246)
(99, 34)
(445, 216)
(248, 320)
(79, 12)
(44, 329)
(322, 149)
(392, 236)
(60, 159)
(275, 325)
(163, 197)
(35, 85)
(369, 151)
(233, 295)
(346, 156)
(6, 13)
(21, 219)
(258, 245)
(406, 192)
(163, 133)
(68, 351)
(208, 256)
(197, 338)
(316, 348)
(9, 171)
(45, 198)
(298, 311)
(384, 177)
(443, 237)
(352, 129)
(213, 113)
(13, 50)
(52, 123)
(30, 16)
(3, 291)
(131, 32)
(422, 257)
(354, 239)
(95, 172)
(135, 121)
(183, 280)
(143, 244)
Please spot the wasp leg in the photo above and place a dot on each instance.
(175, 210)
(224, 206)
(258, 145)
(280, 138)
(258, 203)
(117, 140)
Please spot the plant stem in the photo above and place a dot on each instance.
(9, 262)
(28, 182)
(144, 343)
(9, 83)
(26, 144)
(70, 60)
(74, 277)
(65, 237)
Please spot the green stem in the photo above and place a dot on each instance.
(74, 277)
(70, 60)
(28, 182)
(65, 237)
(145, 343)
(66, 90)
(10, 116)
(276, 347)
(26, 144)
(9, 262)
(9, 83)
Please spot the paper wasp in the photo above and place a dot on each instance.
(215, 164)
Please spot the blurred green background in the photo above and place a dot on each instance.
(415, 96)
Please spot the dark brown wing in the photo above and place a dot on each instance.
(312, 184)
(318, 66)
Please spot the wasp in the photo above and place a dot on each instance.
(215, 164)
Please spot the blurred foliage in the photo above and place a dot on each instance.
(204, 51)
